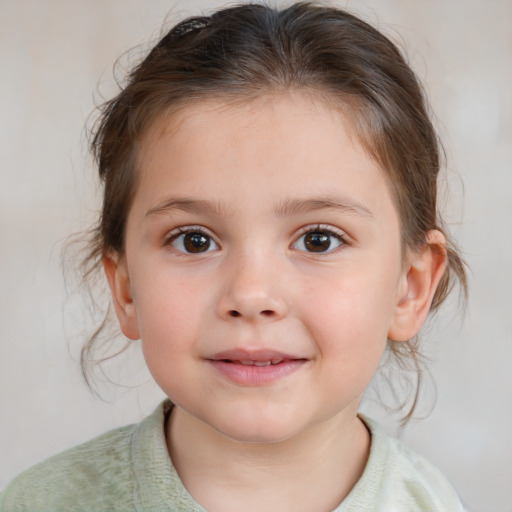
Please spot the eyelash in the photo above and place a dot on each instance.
(175, 234)
(323, 229)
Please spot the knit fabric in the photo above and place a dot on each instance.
(129, 469)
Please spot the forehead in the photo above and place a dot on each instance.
(290, 142)
(280, 108)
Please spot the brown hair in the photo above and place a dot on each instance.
(250, 50)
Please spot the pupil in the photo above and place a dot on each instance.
(196, 242)
(317, 241)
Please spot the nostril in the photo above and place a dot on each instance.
(266, 312)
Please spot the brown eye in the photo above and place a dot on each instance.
(196, 242)
(193, 242)
(319, 241)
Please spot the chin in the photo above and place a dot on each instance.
(260, 437)
(258, 430)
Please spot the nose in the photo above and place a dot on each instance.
(253, 291)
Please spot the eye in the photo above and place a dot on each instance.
(319, 240)
(192, 241)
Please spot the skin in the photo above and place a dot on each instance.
(255, 178)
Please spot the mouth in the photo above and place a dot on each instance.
(255, 368)
(249, 362)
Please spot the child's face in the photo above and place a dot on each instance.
(261, 232)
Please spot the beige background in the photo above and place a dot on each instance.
(55, 54)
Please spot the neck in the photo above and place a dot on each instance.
(312, 471)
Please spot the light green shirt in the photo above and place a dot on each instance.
(129, 469)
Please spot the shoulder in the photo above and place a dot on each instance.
(76, 478)
(398, 479)
(108, 473)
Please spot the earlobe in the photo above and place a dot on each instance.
(424, 270)
(120, 287)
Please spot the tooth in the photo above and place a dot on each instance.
(247, 363)
(262, 363)
(277, 361)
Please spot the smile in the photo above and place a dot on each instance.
(255, 368)
(257, 363)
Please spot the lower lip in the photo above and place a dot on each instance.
(250, 375)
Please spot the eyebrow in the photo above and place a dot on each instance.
(189, 205)
(288, 207)
(338, 203)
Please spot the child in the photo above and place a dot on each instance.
(269, 227)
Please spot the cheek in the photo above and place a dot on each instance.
(168, 337)
(168, 314)
(358, 300)
(351, 319)
(165, 301)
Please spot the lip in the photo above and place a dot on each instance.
(255, 367)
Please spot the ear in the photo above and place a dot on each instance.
(119, 280)
(421, 276)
